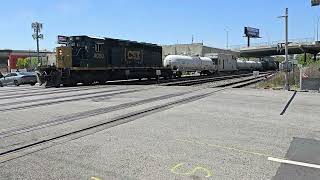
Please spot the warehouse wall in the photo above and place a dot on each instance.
(181, 49)
(192, 49)
(206, 50)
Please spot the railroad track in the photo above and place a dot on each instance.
(58, 91)
(85, 114)
(35, 89)
(43, 143)
(206, 80)
(52, 140)
(102, 94)
(246, 82)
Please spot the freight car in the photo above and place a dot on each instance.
(181, 64)
(225, 62)
(249, 65)
(84, 59)
(268, 63)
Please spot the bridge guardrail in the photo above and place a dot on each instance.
(305, 41)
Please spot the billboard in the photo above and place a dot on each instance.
(62, 39)
(251, 32)
(315, 2)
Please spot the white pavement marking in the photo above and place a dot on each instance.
(297, 163)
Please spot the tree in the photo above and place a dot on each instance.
(27, 63)
(279, 58)
(33, 62)
(300, 58)
(22, 63)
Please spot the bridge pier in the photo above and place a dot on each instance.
(305, 57)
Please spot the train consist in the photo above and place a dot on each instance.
(215, 63)
(87, 60)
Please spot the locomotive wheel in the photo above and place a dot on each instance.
(70, 83)
(103, 82)
(87, 83)
(55, 79)
(179, 74)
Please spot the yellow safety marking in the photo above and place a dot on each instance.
(225, 147)
(95, 178)
(194, 170)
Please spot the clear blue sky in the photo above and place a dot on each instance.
(155, 21)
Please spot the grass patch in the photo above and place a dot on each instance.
(277, 81)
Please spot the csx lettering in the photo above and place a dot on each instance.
(134, 55)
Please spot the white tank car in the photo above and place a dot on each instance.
(181, 64)
(248, 65)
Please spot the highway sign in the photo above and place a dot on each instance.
(251, 32)
(315, 2)
(62, 39)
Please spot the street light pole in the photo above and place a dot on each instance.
(227, 39)
(227, 32)
(36, 26)
(286, 85)
(37, 34)
(318, 19)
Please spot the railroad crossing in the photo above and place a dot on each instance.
(158, 132)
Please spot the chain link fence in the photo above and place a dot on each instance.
(310, 77)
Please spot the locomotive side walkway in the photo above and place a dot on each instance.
(231, 134)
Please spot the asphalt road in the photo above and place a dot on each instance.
(229, 134)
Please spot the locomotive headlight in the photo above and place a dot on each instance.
(60, 52)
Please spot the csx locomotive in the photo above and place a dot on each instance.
(87, 60)
(84, 59)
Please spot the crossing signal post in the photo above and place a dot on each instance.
(37, 27)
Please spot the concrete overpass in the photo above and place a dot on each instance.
(295, 47)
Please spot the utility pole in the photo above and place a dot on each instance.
(227, 32)
(36, 26)
(227, 39)
(318, 19)
(286, 62)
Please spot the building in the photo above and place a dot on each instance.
(195, 49)
(8, 58)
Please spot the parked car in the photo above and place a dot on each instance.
(18, 78)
